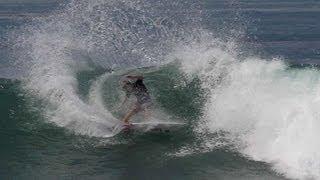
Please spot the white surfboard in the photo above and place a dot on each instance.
(157, 126)
(161, 127)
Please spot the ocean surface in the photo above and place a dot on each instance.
(243, 75)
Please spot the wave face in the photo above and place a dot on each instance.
(261, 108)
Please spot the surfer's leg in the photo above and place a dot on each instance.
(146, 111)
(127, 117)
(146, 114)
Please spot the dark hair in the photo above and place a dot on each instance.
(139, 82)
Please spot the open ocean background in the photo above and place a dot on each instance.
(243, 75)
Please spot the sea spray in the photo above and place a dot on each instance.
(265, 110)
(52, 51)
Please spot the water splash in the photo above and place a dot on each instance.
(266, 110)
(106, 34)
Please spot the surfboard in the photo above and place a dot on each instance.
(158, 127)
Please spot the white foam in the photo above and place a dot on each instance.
(109, 34)
(53, 79)
(270, 112)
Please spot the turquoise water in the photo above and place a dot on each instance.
(242, 75)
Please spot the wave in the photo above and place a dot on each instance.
(84, 35)
(266, 110)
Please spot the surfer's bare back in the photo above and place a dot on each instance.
(133, 85)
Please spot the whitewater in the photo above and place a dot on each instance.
(261, 108)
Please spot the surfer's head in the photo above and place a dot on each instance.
(128, 82)
(127, 85)
(130, 79)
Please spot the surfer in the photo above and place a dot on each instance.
(133, 85)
